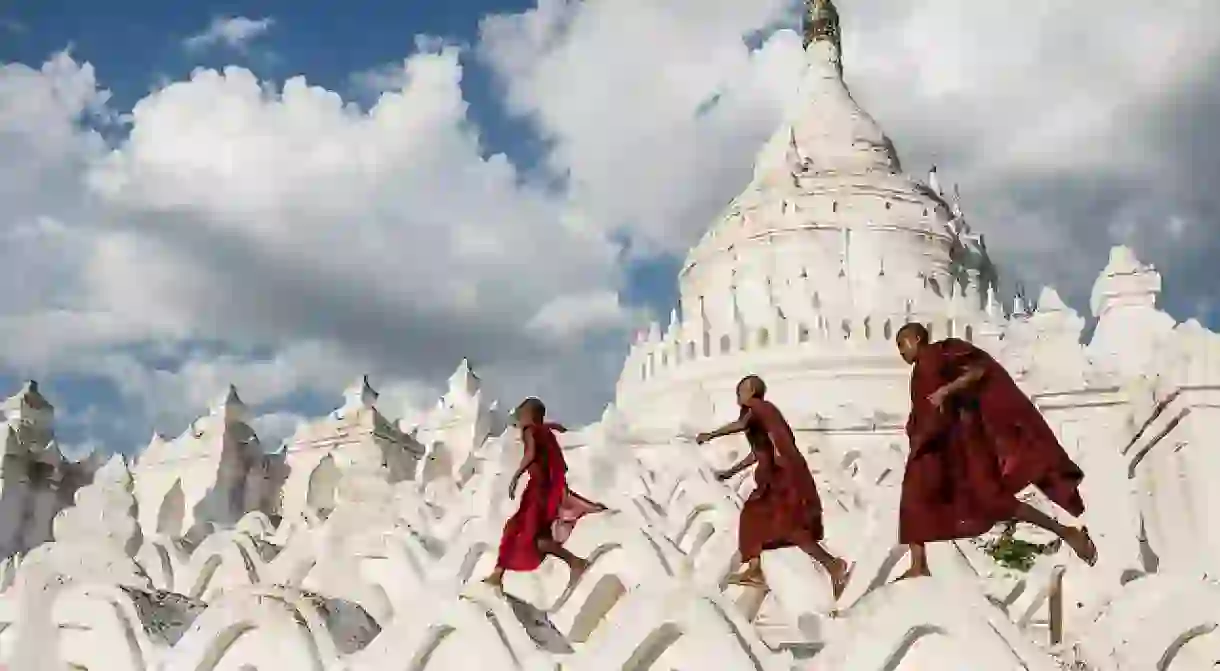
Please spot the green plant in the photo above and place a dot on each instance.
(1014, 553)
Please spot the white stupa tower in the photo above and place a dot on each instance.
(809, 272)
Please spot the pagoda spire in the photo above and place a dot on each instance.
(820, 23)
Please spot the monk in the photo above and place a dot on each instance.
(784, 509)
(976, 441)
(549, 510)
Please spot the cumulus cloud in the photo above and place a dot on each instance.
(311, 239)
(569, 316)
(654, 109)
(1070, 128)
(278, 236)
(234, 32)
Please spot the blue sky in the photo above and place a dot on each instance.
(600, 108)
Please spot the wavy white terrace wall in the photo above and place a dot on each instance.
(653, 580)
(1177, 511)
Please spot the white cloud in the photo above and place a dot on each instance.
(304, 240)
(392, 77)
(1024, 103)
(567, 317)
(618, 87)
(277, 213)
(329, 240)
(234, 32)
(383, 78)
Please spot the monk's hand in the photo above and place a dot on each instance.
(938, 397)
(724, 475)
(702, 438)
(559, 428)
(512, 489)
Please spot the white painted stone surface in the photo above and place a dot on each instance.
(358, 546)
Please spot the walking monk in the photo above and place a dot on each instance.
(549, 510)
(976, 441)
(784, 509)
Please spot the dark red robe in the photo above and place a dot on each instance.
(784, 509)
(969, 460)
(548, 509)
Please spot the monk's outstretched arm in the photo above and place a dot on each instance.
(729, 429)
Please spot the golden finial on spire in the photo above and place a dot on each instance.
(821, 22)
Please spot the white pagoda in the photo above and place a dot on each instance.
(809, 271)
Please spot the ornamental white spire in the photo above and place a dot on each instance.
(28, 407)
(1125, 282)
(231, 408)
(464, 382)
(360, 394)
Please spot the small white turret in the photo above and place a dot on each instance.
(464, 382)
(360, 394)
(230, 408)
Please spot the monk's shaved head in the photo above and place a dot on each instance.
(750, 387)
(531, 407)
(910, 338)
(913, 330)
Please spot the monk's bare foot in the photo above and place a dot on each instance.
(748, 578)
(1082, 544)
(840, 571)
(576, 571)
(494, 584)
(914, 572)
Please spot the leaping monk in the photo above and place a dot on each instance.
(976, 441)
(549, 510)
(784, 510)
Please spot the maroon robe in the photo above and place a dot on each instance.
(784, 509)
(548, 509)
(969, 460)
